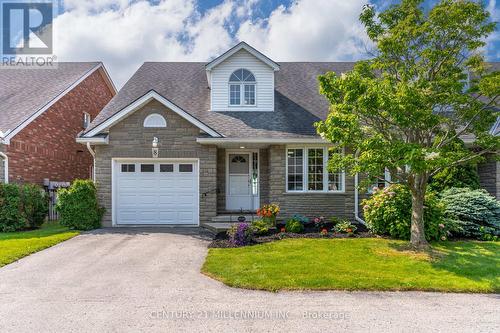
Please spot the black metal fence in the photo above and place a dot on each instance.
(52, 194)
(51, 188)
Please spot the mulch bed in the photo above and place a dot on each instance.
(225, 243)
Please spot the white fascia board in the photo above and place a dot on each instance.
(20, 127)
(137, 104)
(236, 48)
(209, 141)
(93, 140)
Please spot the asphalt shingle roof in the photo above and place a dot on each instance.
(25, 91)
(298, 104)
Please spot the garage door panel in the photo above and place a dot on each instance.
(157, 197)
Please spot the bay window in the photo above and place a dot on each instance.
(307, 171)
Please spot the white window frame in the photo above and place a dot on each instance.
(387, 179)
(154, 120)
(305, 171)
(242, 91)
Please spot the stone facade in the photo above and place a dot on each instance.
(129, 139)
(489, 177)
(46, 148)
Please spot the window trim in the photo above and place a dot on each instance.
(305, 170)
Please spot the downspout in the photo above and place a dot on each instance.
(356, 196)
(6, 167)
(93, 159)
(356, 201)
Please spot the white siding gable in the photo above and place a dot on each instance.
(264, 75)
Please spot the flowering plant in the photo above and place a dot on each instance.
(240, 234)
(319, 222)
(324, 232)
(268, 212)
(345, 227)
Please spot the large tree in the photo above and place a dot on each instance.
(408, 108)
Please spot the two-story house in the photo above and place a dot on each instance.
(184, 143)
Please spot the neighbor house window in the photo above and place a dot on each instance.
(307, 171)
(381, 181)
(242, 88)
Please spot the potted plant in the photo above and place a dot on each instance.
(268, 213)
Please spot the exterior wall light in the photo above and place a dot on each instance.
(155, 147)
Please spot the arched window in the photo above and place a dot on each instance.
(155, 120)
(242, 88)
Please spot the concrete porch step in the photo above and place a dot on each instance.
(216, 227)
(228, 218)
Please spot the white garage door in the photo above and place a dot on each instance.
(156, 192)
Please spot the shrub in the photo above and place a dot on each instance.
(78, 207)
(240, 234)
(260, 227)
(301, 218)
(11, 208)
(35, 205)
(345, 227)
(388, 212)
(475, 212)
(22, 207)
(295, 226)
(456, 176)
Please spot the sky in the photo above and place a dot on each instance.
(124, 34)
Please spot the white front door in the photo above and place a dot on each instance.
(156, 192)
(242, 181)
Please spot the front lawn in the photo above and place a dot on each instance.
(358, 264)
(15, 245)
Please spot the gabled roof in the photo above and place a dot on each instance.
(298, 103)
(236, 48)
(140, 102)
(26, 93)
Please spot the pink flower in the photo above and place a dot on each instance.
(441, 225)
(365, 207)
(443, 238)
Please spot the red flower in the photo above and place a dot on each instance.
(283, 229)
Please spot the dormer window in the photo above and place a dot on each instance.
(242, 88)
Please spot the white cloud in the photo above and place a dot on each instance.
(309, 30)
(123, 35)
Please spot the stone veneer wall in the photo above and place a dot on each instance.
(129, 139)
(489, 177)
(309, 204)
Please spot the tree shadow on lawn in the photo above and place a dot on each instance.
(474, 260)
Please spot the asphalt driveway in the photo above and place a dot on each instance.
(149, 280)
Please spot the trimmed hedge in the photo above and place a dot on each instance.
(78, 207)
(22, 207)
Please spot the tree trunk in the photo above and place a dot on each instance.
(417, 238)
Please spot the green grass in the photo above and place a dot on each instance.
(15, 245)
(358, 264)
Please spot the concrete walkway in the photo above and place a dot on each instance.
(149, 280)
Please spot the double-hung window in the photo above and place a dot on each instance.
(307, 171)
(242, 88)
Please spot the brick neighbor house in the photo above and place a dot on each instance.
(41, 112)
